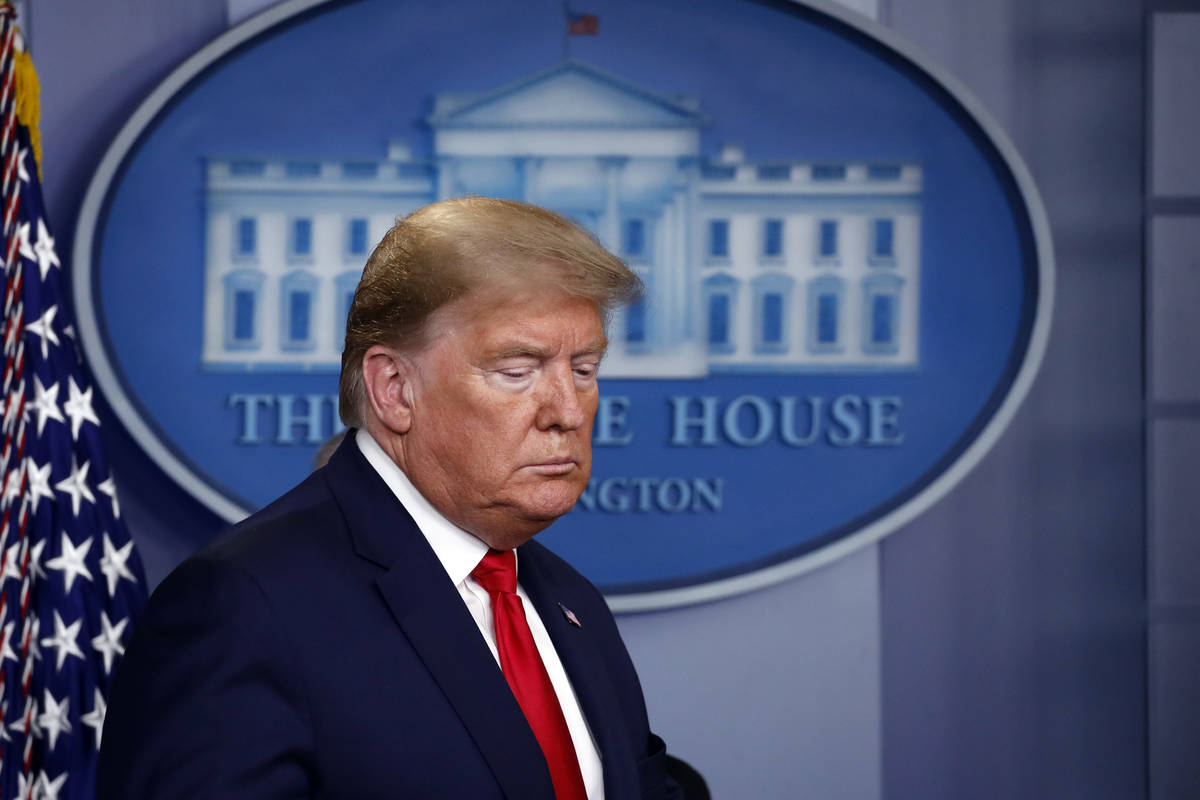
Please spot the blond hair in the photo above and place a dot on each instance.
(445, 250)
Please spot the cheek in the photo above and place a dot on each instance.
(489, 445)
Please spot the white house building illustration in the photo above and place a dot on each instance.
(752, 267)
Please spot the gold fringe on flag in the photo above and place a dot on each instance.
(28, 92)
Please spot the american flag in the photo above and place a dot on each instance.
(582, 24)
(70, 580)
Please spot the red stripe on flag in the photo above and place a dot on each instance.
(583, 24)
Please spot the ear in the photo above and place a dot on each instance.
(388, 377)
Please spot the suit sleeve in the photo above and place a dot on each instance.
(203, 705)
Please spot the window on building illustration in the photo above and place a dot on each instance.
(772, 238)
(633, 240)
(772, 318)
(299, 316)
(824, 314)
(772, 293)
(828, 172)
(246, 168)
(302, 169)
(827, 318)
(243, 314)
(718, 238)
(774, 172)
(635, 323)
(881, 313)
(718, 319)
(827, 239)
(243, 292)
(302, 237)
(720, 300)
(344, 285)
(246, 237)
(298, 293)
(360, 169)
(413, 170)
(882, 241)
(356, 237)
(883, 172)
(718, 172)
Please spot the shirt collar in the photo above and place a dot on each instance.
(457, 550)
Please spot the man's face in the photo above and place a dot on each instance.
(503, 400)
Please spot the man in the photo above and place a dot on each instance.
(364, 636)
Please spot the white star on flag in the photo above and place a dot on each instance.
(43, 327)
(12, 488)
(23, 243)
(28, 722)
(50, 788)
(35, 560)
(22, 173)
(39, 481)
(27, 786)
(79, 407)
(76, 485)
(6, 650)
(11, 405)
(54, 717)
(108, 643)
(70, 563)
(12, 563)
(113, 565)
(64, 640)
(44, 403)
(94, 719)
(35, 627)
(44, 249)
(109, 488)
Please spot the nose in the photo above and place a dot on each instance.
(560, 402)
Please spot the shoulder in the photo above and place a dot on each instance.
(305, 522)
(294, 548)
(309, 522)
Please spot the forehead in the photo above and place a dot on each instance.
(538, 316)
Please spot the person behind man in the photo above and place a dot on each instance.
(388, 628)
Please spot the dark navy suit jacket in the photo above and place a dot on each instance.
(319, 650)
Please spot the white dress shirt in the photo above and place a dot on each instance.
(460, 552)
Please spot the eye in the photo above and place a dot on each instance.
(515, 373)
(585, 371)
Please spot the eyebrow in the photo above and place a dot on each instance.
(595, 347)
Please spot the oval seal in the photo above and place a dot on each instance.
(848, 267)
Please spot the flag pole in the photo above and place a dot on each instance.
(13, 424)
(566, 31)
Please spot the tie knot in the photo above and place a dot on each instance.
(497, 572)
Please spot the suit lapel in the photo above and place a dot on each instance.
(432, 616)
(582, 658)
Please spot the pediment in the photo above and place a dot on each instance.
(570, 94)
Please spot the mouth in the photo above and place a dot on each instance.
(553, 466)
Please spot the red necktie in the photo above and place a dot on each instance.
(526, 674)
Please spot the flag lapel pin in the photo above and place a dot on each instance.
(570, 615)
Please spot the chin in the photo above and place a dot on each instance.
(551, 502)
(518, 517)
(549, 509)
